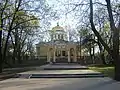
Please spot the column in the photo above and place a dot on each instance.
(60, 53)
(68, 55)
(75, 59)
(48, 56)
(54, 56)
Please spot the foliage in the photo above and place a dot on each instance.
(19, 24)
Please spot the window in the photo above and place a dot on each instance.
(62, 36)
(59, 53)
(58, 36)
(71, 51)
(63, 53)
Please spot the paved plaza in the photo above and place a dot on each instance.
(63, 66)
(60, 84)
(97, 83)
(59, 72)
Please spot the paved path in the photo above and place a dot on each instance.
(99, 83)
(59, 74)
(60, 84)
(60, 71)
(63, 66)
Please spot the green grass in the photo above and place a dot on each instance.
(105, 69)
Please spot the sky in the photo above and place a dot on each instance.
(69, 19)
(64, 20)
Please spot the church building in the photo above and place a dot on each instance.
(59, 48)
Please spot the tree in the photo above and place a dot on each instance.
(10, 11)
(115, 51)
(21, 34)
(82, 34)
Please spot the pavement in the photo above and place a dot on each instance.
(60, 71)
(42, 83)
(63, 66)
(60, 84)
(10, 72)
(59, 74)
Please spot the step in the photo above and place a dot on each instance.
(2, 77)
(65, 68)
(59, 75)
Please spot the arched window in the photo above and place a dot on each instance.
(63, 53)
(62, 37)
(71, 51)
(58, 36)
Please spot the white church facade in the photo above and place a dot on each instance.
(59, 48)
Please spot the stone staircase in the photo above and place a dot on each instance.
(59, 70)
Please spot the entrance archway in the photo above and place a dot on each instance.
(61, 56)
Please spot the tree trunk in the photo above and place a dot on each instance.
(1, 66)
(1, 51)
(14, 57)
(80, 48)
(16, 36)
(1, 60)
(93, 55)
(19, 56)
(19, 60)
(116, 54)
(115, 31)
(90, 51)
(102, 58)
(101, 52)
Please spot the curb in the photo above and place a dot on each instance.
(65, 68)
(12, 74)
(3, 77)
(28, 76)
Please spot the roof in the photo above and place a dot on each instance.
(57, 28)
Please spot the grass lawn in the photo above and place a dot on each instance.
(105, 69)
